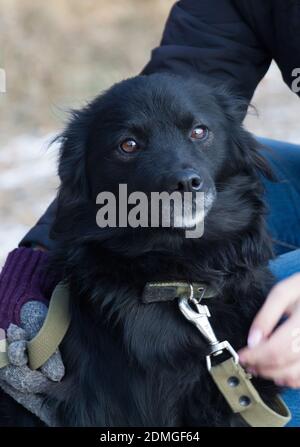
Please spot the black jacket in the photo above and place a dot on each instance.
(229, 40)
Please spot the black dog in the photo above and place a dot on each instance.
(135, 364)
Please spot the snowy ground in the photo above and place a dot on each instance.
(28, 179)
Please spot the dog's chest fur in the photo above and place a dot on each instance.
(134, 364)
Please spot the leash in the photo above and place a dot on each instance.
(231, 379)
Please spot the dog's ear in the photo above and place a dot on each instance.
(250, 153)
(234, 107)
(249, 150)
(73, 193)
(73, 152)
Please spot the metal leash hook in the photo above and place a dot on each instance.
(199, 318)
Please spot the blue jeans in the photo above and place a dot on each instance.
(283, 219)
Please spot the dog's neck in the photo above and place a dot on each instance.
(109, 287)
(214, 263)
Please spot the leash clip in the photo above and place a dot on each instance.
(199, 317)
(219, 349)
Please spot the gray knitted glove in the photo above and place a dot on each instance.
(17, 379)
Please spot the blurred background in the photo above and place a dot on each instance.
(60, 54)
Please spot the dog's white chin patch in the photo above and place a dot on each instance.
(209, 199)
(192, 222)
(200, 210)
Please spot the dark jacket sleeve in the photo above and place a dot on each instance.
(205, 37)
(40, 233)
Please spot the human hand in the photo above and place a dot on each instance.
(274, 352)
(17, 374)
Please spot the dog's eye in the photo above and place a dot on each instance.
(199, 133)
(129, 146)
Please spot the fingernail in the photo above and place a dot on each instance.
(279, 382)
(252, 371)
(255, 337)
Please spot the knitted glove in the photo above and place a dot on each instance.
(28, 387)
(25, 289)
(17, 374)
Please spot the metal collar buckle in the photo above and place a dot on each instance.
(199, 315)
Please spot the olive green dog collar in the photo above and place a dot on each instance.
(160, 291)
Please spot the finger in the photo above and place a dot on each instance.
(285, 376)
(15, 333)
(16, 352)
(54, 368)
(279, 349)
(32, 316)
(24, 379)
(281, 297)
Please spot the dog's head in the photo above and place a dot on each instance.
(158, 133)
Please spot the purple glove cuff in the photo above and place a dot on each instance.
(23, 278)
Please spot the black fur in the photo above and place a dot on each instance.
(134, 364)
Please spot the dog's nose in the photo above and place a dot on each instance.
(186, 181)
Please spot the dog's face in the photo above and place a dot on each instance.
(156, 133)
